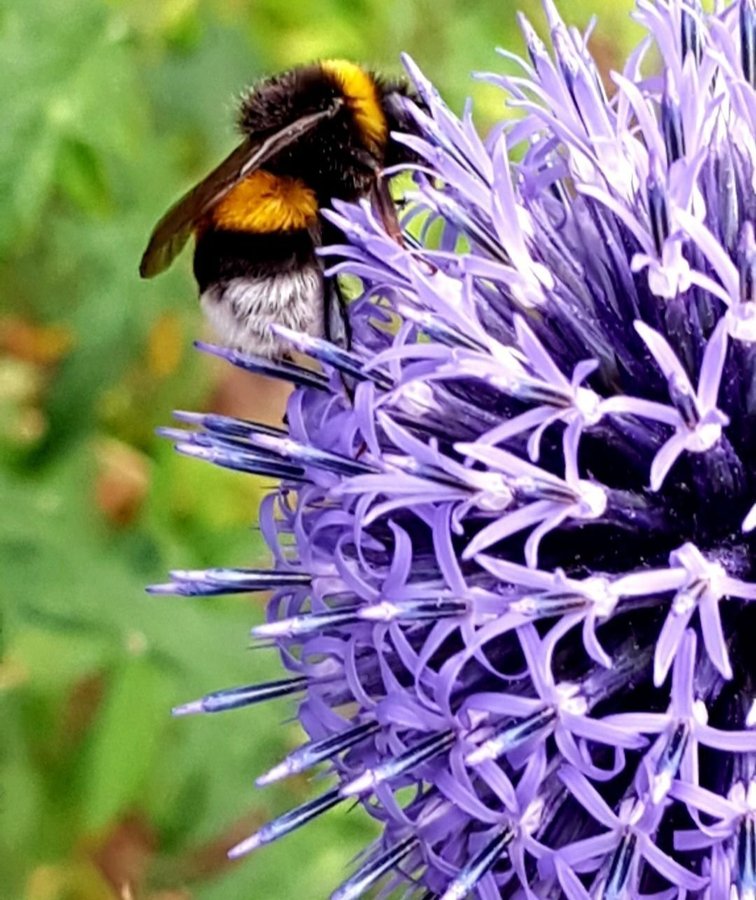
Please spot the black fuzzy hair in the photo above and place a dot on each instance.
(335, 159)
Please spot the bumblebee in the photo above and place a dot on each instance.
(311, 134)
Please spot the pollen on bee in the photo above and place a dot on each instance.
(264, 203)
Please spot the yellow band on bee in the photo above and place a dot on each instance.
(360, 91)
(265, 203)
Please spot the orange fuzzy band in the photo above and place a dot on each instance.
(360, 91)
(264, 203)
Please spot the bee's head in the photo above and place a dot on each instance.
(397, 101)
(339, 157)
(280, 100)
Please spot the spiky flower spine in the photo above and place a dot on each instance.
(514, 563)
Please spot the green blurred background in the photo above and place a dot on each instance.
(109, 111)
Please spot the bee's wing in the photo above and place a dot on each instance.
(173, 230)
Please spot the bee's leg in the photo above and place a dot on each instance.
(386, 208)
(336, 326)
(380, 197)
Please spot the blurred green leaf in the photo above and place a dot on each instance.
(125, 739)
(66, 571)
(81, 177)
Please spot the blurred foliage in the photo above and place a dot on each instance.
(110, 109)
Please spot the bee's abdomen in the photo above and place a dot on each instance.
(250, 281)
(220, 255)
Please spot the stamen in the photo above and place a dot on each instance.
(315, 752)
(212, 582)
(481, 863)
(427, 749)
(690, 39)
(234, 698)
(272, 368)
(239, 460)
(512, 736)
(621, 869)
(669, 762)
(374, 869)
(748, 40)
(745, 857)
(412, 610)
(658, 214)
(287, 823)
(298, 626)
(671, 122)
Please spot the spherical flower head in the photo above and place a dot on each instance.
(514, 572)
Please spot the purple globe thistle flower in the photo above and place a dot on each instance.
(514, 560)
